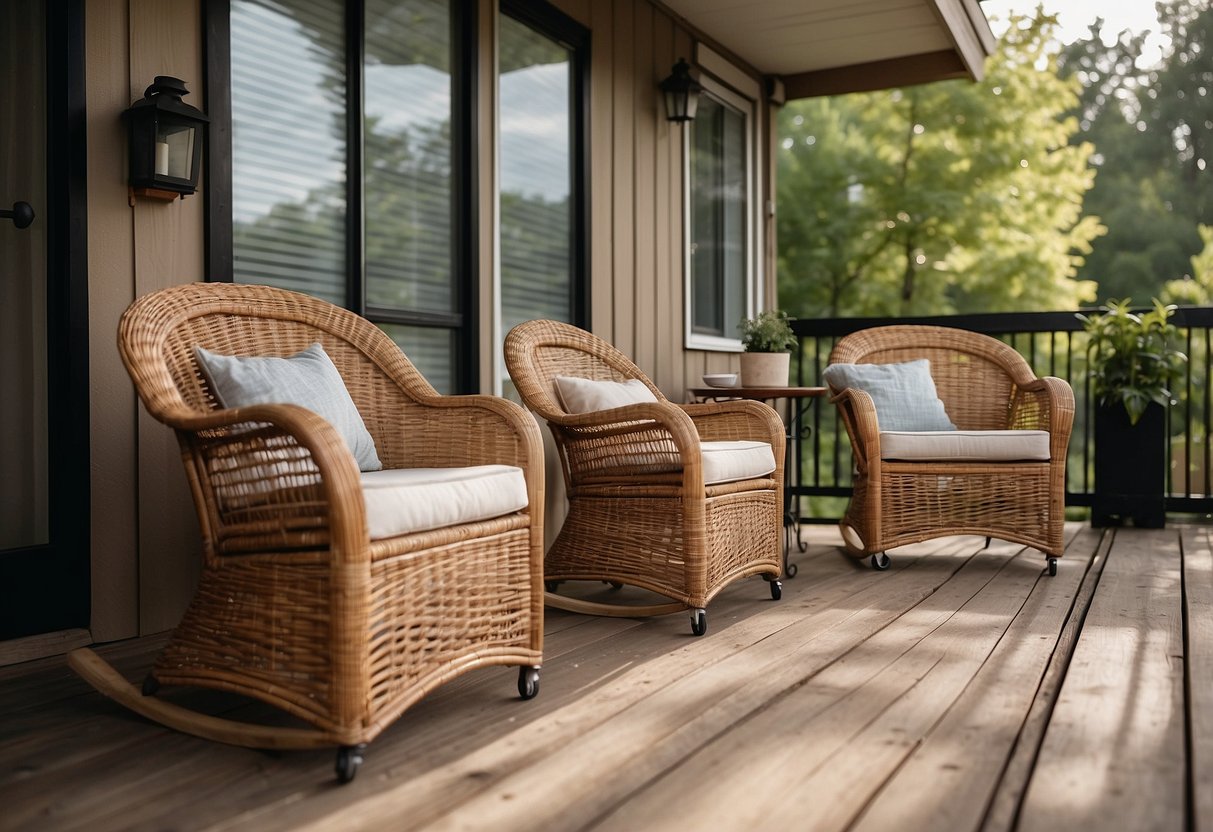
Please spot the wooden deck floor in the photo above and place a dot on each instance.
(963, 689)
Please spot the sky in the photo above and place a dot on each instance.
(1075, 16)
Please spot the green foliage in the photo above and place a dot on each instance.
(769, 332)
(947, 197)
(1132, 361)
(1150, 127)
(1196, 288)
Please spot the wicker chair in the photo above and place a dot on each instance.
(298, 605)
(639, 512)
(984, 385)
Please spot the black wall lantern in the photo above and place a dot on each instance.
(165, 140)
(681, 91)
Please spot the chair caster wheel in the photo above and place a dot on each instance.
(1052, 567)
(880, 561)
(791, 570)
(349, 758)
(699, 621)
(528, 682)
(150, 685)
(776, 590)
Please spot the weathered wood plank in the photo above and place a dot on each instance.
(896, 695)
(1113, 754)
(581, 781)
(1004, 805)
(947, 782)
(584, 747)
(1198, 650)
(447, 725)
(115, 741)
(842, 730)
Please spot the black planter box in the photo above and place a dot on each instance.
(1130, 467)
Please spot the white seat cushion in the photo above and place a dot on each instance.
(965, 445)
(403, 500)
(732, 461)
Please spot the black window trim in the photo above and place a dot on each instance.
(464, 174)
(550, 22)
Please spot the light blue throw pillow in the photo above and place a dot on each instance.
(904, 394)
(308, 378)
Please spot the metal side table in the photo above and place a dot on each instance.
(798, 401)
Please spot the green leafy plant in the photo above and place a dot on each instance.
(769, 332)
(1132, 360)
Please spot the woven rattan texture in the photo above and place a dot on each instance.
(296, 606)
(984, 385)
(638, 510)
(437, 612)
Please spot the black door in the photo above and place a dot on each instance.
(44, 469)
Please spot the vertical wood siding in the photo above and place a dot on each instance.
(637, 291)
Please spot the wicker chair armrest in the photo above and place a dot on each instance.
(274, 455)
(634, 418)
(740, 419)
(1045, 404)
(859, 417)
(650, 438)
(459, 431)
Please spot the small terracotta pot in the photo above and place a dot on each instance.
(765, 369)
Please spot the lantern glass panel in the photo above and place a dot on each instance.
(673, 111)
(175, 150)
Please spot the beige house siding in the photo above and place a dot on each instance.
(144, 535)
(636, 198)
(145, 551)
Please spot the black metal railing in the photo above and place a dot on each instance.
(1054, 344)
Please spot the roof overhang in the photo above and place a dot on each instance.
(828, 47)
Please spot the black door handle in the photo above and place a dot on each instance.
(21, 215)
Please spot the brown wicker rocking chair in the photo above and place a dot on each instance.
(639, 509)
(910, 488)
(300, 604)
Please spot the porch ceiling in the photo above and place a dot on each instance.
(826, 47)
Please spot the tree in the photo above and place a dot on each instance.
(1150, 127)
(1195, 288)
(947, 197)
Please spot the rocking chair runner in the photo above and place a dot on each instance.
(640, 511)
(298, 604)
(929, 485)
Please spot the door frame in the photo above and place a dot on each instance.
(46, 588)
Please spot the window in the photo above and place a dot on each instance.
(541, 66)
(722, 281)
(351, 173)
(364, 206)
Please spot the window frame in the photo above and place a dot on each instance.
(465, 174)
(552, 23)
(748, 107)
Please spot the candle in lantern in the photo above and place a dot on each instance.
(162, 158)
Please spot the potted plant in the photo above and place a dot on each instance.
(1132, 366)
(766, 339)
